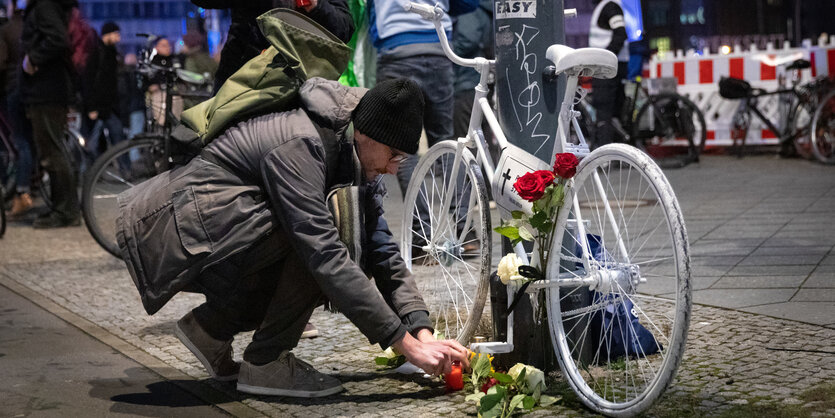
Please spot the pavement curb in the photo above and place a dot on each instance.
(203, 392)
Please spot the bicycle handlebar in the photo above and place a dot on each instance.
(425, 11)
(435, 14)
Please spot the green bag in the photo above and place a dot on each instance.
(299, 49)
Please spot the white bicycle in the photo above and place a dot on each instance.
(622, 234)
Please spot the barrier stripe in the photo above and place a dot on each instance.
(767, 134)
(830, 55)
(768, 72)
(706, 71)
(737, 69)
(711, 135)
(678, 72)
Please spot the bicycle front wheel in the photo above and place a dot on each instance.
(823, 130)
(123, 166)
(447, 246)
(619, 336)
(670, 128)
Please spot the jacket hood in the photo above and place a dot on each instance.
(330, 102)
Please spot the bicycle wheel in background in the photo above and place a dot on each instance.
(123, 166)
(823, 130)
(450, 260)
(619, 344)
(670, 128)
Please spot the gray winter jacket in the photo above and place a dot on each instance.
(270, 175)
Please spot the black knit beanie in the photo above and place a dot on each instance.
(392, 113)
(109, 27)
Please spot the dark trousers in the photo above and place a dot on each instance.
(266, 288)
(434, 74)
(22, 134)
(48, 123)
(607, 98)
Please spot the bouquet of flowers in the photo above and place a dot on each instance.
(545, 189)
(502, 394)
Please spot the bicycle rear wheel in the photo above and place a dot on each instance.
(450, 260)
(823, 130)
(121, 167)
(670, 128)
(620, 344)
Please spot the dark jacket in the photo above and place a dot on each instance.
(244, 40)
(45, 40)
(99, 83)
(10, 56)
(181, 222)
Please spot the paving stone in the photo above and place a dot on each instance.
(783, 260)
(738, 298)
(772, 270)
(819, 313)
(758, 282)
(815, 295)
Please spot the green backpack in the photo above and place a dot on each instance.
(299, 49)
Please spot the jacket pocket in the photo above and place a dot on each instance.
(190, 225)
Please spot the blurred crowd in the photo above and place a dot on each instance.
(56, 64)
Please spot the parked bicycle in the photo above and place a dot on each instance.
(795, 108)
(823, 127)
(132, 162)
(619, 197)
(662, 123)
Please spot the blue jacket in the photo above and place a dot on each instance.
(392, 26)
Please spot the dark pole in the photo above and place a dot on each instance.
(528, 106)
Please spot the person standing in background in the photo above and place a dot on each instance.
(196, 59)
(408, 47)
(10, 62)
(100, 90)
(47, 90)
(132, 97)
(472, 37)
(608, 31)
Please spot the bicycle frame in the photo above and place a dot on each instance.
(475, 138)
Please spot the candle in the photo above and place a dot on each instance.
(455, 378)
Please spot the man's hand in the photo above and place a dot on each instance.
(434, 357)
(28, 67)
(93, 115)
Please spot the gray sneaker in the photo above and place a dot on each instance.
(286, 376)
(215, 355)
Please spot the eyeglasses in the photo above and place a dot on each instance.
(397, 157)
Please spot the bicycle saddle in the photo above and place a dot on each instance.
(799, 65)
(588, 62)
(734, 88)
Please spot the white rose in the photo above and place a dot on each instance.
(509, 268)
(533, 376)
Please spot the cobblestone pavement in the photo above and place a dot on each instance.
(733, 358)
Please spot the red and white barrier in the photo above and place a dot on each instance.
(698, 77)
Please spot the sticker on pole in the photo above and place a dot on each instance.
(515, 9)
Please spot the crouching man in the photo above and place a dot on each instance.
(247, 224)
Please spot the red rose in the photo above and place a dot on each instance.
(565, 165)
(532, 186)
(489, 384)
